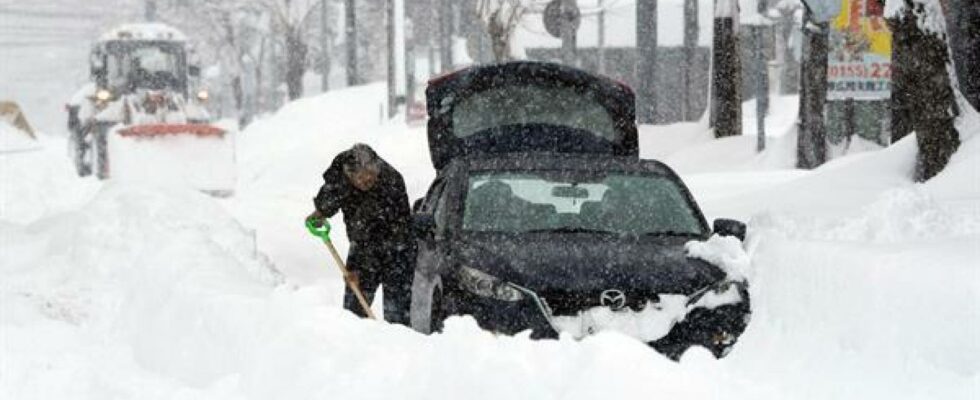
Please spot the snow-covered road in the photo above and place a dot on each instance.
(864, 285)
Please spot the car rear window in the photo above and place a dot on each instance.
(533, 104)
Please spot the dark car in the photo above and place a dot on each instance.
(543, 218)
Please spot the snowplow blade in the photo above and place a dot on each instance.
(11, 112)
(198, 156)
(171, 129)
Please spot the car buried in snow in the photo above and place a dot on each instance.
(543, 218)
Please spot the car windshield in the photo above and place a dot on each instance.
(532, 104)
(617, 203)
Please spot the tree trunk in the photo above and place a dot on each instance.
(811, 143)
(391, 57)
(295, 62)
(690, 49)
(350, 39)
(150, 10)
(964, 32)
(926, 92)
(646, 46)
(324, 48)
(726, 74)
(446, 34)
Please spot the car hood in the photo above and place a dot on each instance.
(587, 263)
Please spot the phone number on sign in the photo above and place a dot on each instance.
(872, 71)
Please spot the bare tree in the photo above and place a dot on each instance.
(234, 36)
(291, 20)
(726, 71)
(500, 17)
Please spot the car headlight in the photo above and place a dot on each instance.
(203, 95)
(483, 284)
(103, 95)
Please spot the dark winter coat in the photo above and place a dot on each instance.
(377, 217)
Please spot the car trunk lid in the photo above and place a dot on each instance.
(528, 107)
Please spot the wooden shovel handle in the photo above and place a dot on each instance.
(351, 283)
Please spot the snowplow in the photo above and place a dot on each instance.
(143, 115)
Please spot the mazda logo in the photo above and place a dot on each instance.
(613, 298)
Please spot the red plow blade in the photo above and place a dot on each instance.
(153, 130)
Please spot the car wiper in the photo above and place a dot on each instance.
(672, 233)
(570, 229)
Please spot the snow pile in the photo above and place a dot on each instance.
(723, 251)
(900, 214)
(14, 140)
(139, 282)
(856, 264)
(158, 294)
(150, 292)
(38, 183)
(201, 162)
(653, 322)
(144, 31)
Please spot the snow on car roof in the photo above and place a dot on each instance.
(144, 31)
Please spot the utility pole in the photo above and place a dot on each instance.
(410, 37)
(761, 79)
(150, 10)
(325, 48)
(726, 71)
(350, 32)
(811, 149)
(691, 31)
(446, 34)
(391, 58)
(569, 8)
(646, 50)
(602, 37)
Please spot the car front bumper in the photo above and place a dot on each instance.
(670, 325)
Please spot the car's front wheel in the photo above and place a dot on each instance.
(428, 306)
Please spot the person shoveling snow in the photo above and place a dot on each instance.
(372, 195)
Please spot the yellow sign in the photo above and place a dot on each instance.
(859, 64)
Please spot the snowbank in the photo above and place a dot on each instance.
(40, 182)
(136, 288)
(14, 140)
(863, 285)
(160, 294)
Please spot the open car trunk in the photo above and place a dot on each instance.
(528, 107)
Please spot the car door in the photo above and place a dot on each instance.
(428, 252)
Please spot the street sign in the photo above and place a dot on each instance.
(823, 10)
(554, 18)
(859, 60)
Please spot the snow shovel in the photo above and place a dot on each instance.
(323, 232)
